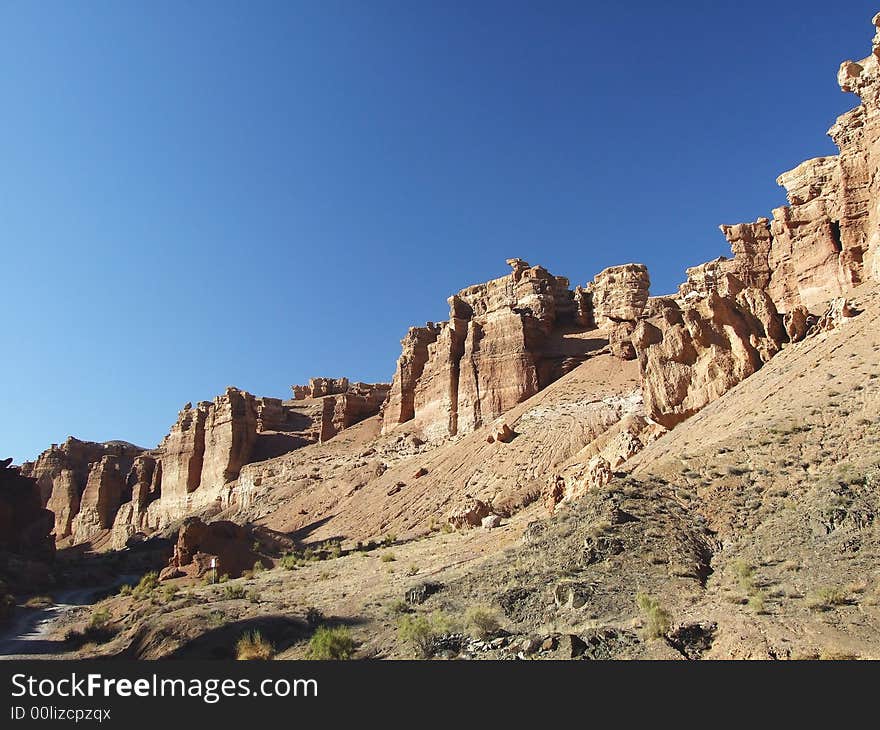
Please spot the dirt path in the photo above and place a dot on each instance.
(28, 635)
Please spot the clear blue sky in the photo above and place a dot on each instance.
(202, 194)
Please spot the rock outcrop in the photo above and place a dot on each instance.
(198, 543)
(504, 341)
(25, 525)
(63, 471)
(94, 487)
(826, 240)
(619, 293)
(104, 493)
(692, 351)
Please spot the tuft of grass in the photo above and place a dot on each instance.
(148, 583)
(331, 644)
(420, 631)
(824, 599)
(657, 618)
(39, 602)
(399, 607)
(388, 557)
(482, 622)
(232, 592)
(253, 645)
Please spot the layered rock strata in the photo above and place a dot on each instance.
(826, 240)
(504, 341)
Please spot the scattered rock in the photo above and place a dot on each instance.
(422, 592)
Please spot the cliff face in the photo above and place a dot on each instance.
(504, 341)
(95, 487)
(825, 241)
(63, 471)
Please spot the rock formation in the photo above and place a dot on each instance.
(25, 525)
(227, 543)
(504, 341)
(694, 350)
(62, 473)
(100, 499)
(619, 293)
(94, 487)
(826, 239)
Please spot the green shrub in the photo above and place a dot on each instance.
(482, 622)
(657, 618)
(825, 598)
(388, 557)
(99, 618)
(399, 606)
(421, 631)
(146, 586)
(259, 567)
(253, 645)
(289, 561)
(331, 643)
(125, 590)
(232, 592)
(169, 593)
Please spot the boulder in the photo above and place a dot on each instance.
(470, 514)
(198, 543)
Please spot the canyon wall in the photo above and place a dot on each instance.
(504, 341)
(826, 240)
(92, 488)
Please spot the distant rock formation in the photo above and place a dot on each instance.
(344, 403)
(96, 487)
(63, 471)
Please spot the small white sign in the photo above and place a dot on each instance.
(213, 562)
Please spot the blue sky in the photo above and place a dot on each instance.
(202, 194)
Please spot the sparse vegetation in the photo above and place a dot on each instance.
(482, 622)
(420, 631)
(233, 592)
(253, 645)
(826, 598)
(388, 557)
(333, 643)
(148, 583)
(39, 602)
(657, 618)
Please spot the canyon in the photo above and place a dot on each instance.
(535, 400)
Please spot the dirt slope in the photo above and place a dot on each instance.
(357, 488)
